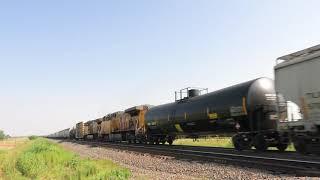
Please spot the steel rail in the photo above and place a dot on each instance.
(266, 154)
(298, 167)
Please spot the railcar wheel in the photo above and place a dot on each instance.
(163, 142)
(237, 146)
(282, 147)
(157, 142)
(241, 143)
(301, 146)
(95, 137)
(236, 143)
(260, 143)
(170, 141)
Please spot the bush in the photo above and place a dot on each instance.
(32, 137)
(41, 159)
(30, 165)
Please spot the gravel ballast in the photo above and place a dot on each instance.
(149, 166)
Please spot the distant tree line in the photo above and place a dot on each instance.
(3, 136)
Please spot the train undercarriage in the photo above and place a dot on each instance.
(306, 143)
(131, 137)
(305, 135)
(260, 140)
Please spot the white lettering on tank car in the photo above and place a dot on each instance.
(237, 111)
(271, 97)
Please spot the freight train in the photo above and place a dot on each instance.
(247, 111)
(297, 78)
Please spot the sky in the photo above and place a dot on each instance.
(62, 62)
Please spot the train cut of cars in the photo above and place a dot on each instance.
(297, 78)
(248, 111)
(256, 113)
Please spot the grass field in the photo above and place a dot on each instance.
(224, 142)
(41, 159)
(11, 143)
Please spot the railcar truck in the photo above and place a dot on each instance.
(297, 78)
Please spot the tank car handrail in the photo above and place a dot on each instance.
(186, 90)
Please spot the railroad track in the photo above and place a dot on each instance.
(283, 163)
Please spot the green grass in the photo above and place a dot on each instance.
(41, 159)
(224, 142)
